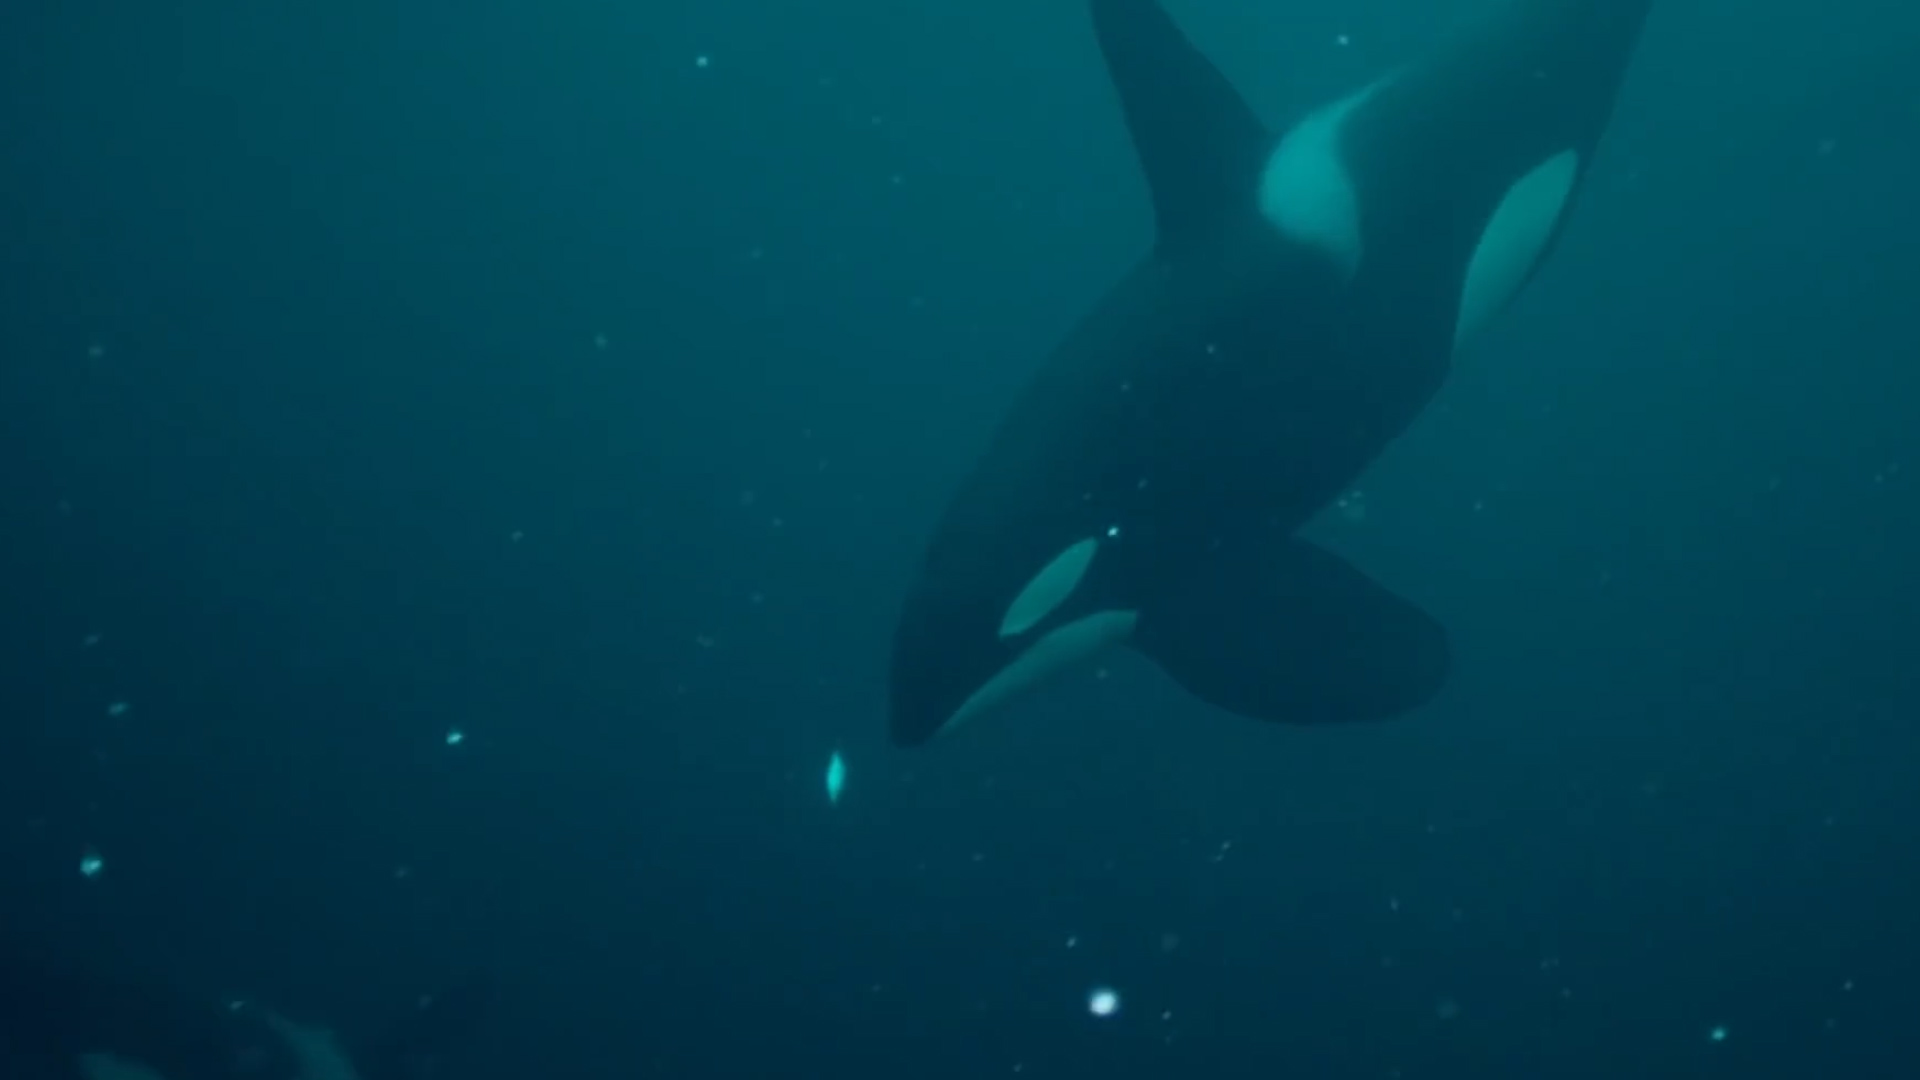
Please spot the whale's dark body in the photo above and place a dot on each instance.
(1304, 299)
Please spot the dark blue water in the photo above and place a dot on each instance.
(584, 378)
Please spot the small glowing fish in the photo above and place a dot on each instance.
(836, 778)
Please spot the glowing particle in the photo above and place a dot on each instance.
(836, 778)
(702, 61)
(1718, 1033)
(1342, 40)
(118, 709)
(90, 641)
(1352, 505)
(91, 864)
(600, 342)
(1103, 1001)
(455, 736)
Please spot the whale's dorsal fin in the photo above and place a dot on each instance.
(1199, 143)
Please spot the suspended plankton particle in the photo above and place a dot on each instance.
(1103, 1001)
(91, 864)
(836, 778)
(455, 737)
(118, 709)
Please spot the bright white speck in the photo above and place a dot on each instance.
(1103, 1001)
(703, 60)
(91, 864)
(118, 709)
(1717, 1033)
(455, 737)
(836, 778)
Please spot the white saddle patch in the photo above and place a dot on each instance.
(1055, 652)
(1049, 588)
(1306, 191)
(1511, 243)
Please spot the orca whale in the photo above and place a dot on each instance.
(1305, 296)
(61, 1019)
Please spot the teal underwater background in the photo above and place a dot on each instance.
(460, 464)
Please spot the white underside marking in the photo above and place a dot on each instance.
(1055, 652)
(1511, 243)
(1306, 191)
(316, 1052)
(1048, 589)
(103, 1066)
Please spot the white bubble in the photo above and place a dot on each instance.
(1103, 1001)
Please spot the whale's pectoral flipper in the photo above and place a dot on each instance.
(1291, 632)
(1199, 143)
